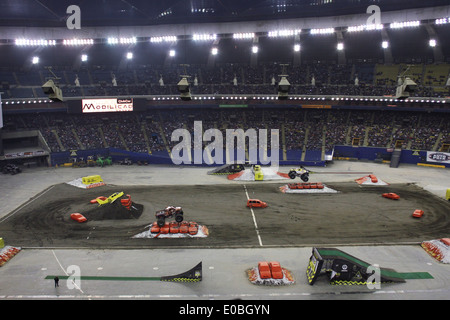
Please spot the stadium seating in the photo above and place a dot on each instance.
(330, 79)
(304, 133)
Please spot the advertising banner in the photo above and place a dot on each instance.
(436, 156)
(106, 105)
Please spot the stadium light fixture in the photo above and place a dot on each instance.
(35, 60)
(34, 43)
(406, 24)
(340, 46)
(365, 27)
(296, 47)
(442, 21)
(77, 42)
(255, 49)
(129, 55)
(385, 44)
(84, 57)
(214, 51)
(322, 31)
(127, 40)
(163, 39)
(284, 33)
(432, 43)
(172, 53)
(245, 35)
(204, 37)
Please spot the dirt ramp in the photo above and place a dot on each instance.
(114, 211)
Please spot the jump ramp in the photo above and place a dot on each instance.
(345, 269)
(122, 208)
(227, 169)
(192, 275)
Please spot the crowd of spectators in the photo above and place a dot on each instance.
(299, 129)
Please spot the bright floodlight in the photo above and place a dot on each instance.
(255, 49)
(35, 60)
(130, 55)
(84, 57)
(297, 48)
(432, 43)
(340, 46)
(214, 51)
(172, 53)
(385, 44)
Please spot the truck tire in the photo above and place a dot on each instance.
(161, 221)
(292, 174)
(179, 217)
(305, 177)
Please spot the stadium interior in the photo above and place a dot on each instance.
(86, 82)
(337, 96)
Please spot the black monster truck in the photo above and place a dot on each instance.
(169, 212)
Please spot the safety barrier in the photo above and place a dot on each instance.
(7, 253)
(95, 179)
(438, 249)
(126, 202)
(306, 185)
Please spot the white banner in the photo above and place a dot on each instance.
(106, 105)
(436, 156)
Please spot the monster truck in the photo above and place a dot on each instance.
(11, 168)
(169, 212)
(299, 172)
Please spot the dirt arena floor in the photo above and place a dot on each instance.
(356, 215)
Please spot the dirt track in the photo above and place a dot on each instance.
(355, 215)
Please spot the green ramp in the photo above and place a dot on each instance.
(343, 268)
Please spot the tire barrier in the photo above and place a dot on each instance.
(306, 185)
(7, 253)
(174, 227)
(175, 230)
(270, 273)
(439, 249)
(344, 269)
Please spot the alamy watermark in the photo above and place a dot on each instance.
(238, 144)
(74, 20)
(374, 279)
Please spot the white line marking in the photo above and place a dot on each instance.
(254, 218)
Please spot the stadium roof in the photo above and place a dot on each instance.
(96, 13)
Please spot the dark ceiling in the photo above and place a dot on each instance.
(52, 13)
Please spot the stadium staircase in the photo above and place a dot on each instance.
(77, 139)
(58, 140)
(122, 139)
(102, 135)
(144, 133)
